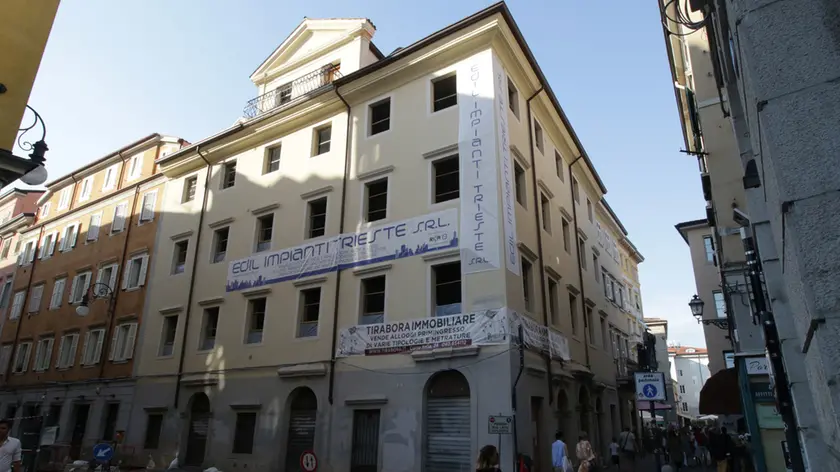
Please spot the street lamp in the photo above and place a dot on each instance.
(696, 304)
(31, 171)
(97, 291)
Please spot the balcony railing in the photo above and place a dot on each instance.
(292, 90)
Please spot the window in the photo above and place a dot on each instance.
(310, 309)
(573, 312)
(444, 93)
(589, 322)
(208, 328)
(189, 189)
(43, 354)
(595, 267)
(154, 427)
(681, 373)
(120, 213)
(513, 98)
(272, 160)
(684, 406)
(167, 339)
(179, 258)
(7, 246)
(68, 240)
(220, 243)
(92, 350)
(446, 183)
(527, 284)
(582, 253)
(28, 254)
(135, 167)
(575, 190)
(605, 334)
(35, 299)
(380, 117)
(6, 294)
(545, 211)
(365, 455)
(243, 435)
(265, 228)
(107, 275)
(720, 304)
(323, 139)
(558, 163)
(147, 212)
(589, 211)
(109, 426)
(552, 300)
(228, 175)
(283, 94)
(519, 183)
(87, 186)
(256, 321)
(376, 200)
(317, 218)
(24, 350)
(17, 305)
(67, 351)
(682, 388)
(135, 272)
(123, 348)
(446, 280)
(93, 227)
(566, 236)
(373, 300)
(110, 180)
(64, 198)
(538, 136)
(709, 247)
(45, 210)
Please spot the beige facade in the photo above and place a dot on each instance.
(345, 141)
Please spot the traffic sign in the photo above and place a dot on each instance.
(308, 461)
(103, 452)
(499, 424)
(650, 386)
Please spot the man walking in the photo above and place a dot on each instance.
(9, 449)
(559, 459)
(627, 446)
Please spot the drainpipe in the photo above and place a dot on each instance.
(539, 235)
(580, 263)
(25, 299)
(188, 309)
(347, 148)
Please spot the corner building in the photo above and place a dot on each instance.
(361, 252)
(90, 241)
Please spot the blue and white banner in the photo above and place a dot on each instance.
(480, 245)
(406, 238)
(511, 250)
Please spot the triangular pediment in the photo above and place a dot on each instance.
(312, 38)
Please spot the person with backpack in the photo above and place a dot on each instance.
(627, 448)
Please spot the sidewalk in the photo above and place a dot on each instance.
(648, 464)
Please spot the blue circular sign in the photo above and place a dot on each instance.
(103, 452)
(649, 391)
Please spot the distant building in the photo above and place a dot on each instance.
(659, 328)
(689, 369)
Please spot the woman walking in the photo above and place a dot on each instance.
(488, 459)
(584, 454)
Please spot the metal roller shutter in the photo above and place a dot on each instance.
(301, 437)
(448, 443)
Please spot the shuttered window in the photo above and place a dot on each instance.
(448, 445)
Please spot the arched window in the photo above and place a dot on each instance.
(448, 438)
(303, 412)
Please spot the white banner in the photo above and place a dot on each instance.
(470, 329)
(539, 337)
(406, 238)
(480, 245)
(511, 251)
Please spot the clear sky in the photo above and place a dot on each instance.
(115, 71)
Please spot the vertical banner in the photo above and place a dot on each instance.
(510, 248)
(480, 245)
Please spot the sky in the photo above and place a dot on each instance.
(115, 71)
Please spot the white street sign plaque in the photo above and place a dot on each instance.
(500, 425)
(650, 386)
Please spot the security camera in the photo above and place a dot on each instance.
(740, 217)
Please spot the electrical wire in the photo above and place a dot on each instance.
(682, 18)
(376, 371)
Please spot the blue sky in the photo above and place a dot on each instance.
(115, 71)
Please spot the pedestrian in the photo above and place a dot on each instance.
(584, 454)
(559, 454)
(614, 454)
(9, 449)
(487, 461)
(674, 447)
(627, 447)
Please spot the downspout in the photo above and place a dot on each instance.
(25, 299)
(580, 263)
(188, 309)
(539, 234)
(347, 149)
(112, 303)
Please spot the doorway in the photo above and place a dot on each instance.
(199, 426)
(303, 413)
(536, 431)
(80, 419)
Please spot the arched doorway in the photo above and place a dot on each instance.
(303, 413)
(563, 416)
(583, 412)
(199, 427)
(448, 438)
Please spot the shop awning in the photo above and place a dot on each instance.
(721, 394)
(645, 406)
